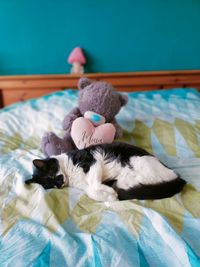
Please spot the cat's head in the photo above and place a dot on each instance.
(47, 173)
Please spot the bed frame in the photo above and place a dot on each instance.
(20, 88)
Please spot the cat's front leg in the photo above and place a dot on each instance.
(95, 189)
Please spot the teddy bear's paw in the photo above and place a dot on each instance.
(49, 138)
(51, 144)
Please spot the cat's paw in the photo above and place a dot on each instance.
(101, 195)
(104, 194)
(110, 197)
(107, 193)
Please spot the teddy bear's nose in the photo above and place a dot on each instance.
(95, 118)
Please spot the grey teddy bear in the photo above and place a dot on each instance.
(97, 96)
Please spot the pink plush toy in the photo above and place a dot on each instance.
(91, 130)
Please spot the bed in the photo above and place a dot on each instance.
(65, 227)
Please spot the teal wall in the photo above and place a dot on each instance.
(125, 35)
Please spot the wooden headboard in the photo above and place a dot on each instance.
(20, 88)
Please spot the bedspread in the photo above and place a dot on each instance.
(64, 227)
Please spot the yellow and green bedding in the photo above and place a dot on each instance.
(65, 227)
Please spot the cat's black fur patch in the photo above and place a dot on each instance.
(115, 151)
(83, 158)
(122, 152)
(109, 182)
(156, 191)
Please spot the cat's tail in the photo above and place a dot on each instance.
(151, 191)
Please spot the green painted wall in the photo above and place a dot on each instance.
(127, 35)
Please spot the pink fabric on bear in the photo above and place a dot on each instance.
(84, 134)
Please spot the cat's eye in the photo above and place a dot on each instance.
(52, 177)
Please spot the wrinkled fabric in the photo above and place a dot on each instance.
(64, 227)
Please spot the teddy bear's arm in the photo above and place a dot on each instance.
(70, 117)
(119, 131)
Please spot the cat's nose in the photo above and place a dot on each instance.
(59, 180)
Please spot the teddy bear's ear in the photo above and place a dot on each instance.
(123, 99)
(83, 82)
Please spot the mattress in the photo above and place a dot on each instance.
(64, 227)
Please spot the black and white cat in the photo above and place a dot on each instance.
(109, 172)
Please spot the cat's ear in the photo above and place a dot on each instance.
(39, 164)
